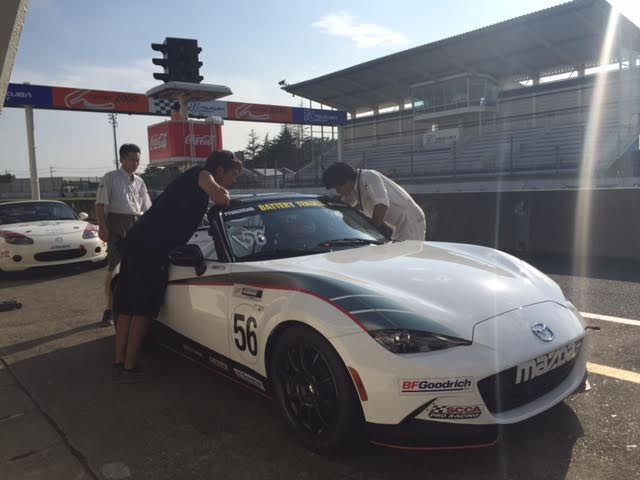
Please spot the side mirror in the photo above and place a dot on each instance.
(188, 256)
(83, 216)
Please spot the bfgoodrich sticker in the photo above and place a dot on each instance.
(431, 385)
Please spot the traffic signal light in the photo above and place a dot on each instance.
(179, 60)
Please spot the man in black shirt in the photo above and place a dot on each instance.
(169, 223)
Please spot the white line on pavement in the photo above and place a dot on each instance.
(618, 373)
(608, 318)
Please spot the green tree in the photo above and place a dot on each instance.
(252, 150)
(159, 177)
(7, 177)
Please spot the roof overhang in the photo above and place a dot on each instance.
(548, 42)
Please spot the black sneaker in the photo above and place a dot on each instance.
(133, 375)
(116, 370)
(107, 319)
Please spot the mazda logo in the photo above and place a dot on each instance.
(543, 332)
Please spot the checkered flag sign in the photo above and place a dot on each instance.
(160, 106)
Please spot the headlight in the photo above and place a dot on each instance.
(414, 341)
(576, 312)
(15, 238)
(90, 232)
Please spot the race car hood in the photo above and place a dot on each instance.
(46, 227)
(447, 286)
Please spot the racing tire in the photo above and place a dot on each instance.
(314, 391)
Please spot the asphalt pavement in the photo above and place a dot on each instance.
(61, 416)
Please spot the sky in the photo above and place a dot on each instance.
(246, 45)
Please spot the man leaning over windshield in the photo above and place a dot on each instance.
(386, 203)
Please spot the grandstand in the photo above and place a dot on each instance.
(512, 99)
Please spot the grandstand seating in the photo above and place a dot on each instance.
(550, 144)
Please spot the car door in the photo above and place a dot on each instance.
(197, 306)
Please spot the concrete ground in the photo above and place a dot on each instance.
(61, 417)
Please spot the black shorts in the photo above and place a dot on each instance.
(142, 281)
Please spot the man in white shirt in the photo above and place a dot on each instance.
(121, 199)
(379, 198)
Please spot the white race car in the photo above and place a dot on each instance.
(417, 344)
(36, 233)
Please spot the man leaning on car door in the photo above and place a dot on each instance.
(121, 199)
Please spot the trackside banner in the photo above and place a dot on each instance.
(78, 99)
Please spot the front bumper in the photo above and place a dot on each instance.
(413, 434)
(457, 398)
(43, 253)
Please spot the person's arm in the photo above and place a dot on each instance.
(102, 201)
(218, 194)
(101, 214)
(145, 204)
(379, 211)
(375, 190)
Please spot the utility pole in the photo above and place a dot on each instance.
(113, 120)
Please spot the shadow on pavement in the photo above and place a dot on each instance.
(19, 347)
(44, 274)
(184, 422)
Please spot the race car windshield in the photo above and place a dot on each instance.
(297, 227)
(35, 212)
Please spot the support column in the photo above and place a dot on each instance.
(12, 16)
(376, 111)
(33, 168)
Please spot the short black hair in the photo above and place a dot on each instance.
(338, 174)
(175, 106)
(222, 158)
(127, 148)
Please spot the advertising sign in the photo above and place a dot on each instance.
(99, 100)
(313, 116)
(213, 108)
(171, 142)
(440, 137)
(259, 113)
(63, 98)
(20, 95)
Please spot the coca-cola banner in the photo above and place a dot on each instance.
(172, 142)
(313, 116)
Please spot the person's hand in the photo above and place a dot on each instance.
(221, 196)
(103, 233)
(385, 230)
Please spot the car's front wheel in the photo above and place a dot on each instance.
(314, 390)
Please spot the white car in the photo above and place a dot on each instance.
(37, 233)
(418, 345)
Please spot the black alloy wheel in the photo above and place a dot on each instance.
(314, 390)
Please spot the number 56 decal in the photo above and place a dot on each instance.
(244, 333)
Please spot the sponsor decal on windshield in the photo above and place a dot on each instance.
(430, 385)
(266, 207)
(239, 211)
